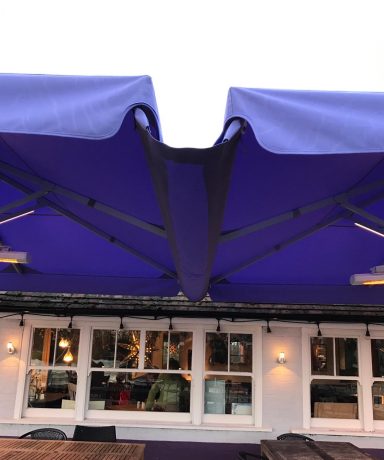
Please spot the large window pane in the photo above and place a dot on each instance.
(346, 357)
(378, 400)
(67, 347)
(138, 391)
(128, 347)
(156, 350)
(334, 399)
(322, 356)
(50, 389)
(241, 352)
(228, 395)
(43, 346)
(377, 348)
(103, 348)
(216, 352)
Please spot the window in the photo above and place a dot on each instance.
(52, 375)
(334, 396)
(138, 370)
(228, 374)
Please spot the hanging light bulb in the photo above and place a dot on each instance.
(218, 329)
(64, 343)
(68, 357)
(319, 334)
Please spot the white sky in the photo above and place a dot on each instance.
(195, 50)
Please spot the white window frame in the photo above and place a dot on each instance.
(256, 378)
(21, 407)
(195, 418)
(141, 415)
(364, 379)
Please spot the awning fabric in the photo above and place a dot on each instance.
(265, 215)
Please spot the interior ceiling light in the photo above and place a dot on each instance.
(12, 257)
(376, 277)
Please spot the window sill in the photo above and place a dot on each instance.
(123, 424)
(337, 432)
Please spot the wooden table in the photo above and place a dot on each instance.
(305, 450)
(33, 449)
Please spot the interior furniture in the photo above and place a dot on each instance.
(45, 433)
(38, 449)
(315, 450)
(335, 410)
(94, 433)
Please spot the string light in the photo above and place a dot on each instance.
(319, 334)
(269, 331)
(64, 343)
(121, 323)
(367, 333)
(21, 324)
(170, 328)
(218, 329)
(70, 323)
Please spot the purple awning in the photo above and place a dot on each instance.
(265, 216)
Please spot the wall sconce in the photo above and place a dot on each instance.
(281, 358)
(10, 348)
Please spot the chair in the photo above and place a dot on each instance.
(247, 456)
(45, 433)
(94, 433)
(293, 437)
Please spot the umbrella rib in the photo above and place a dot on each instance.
(295, 213)
(24, 200)
(85, 201)
(363, 213)
(278, 247)
(45, 202)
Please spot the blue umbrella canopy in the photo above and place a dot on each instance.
(267, 214)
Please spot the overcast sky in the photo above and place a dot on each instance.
(195, 50)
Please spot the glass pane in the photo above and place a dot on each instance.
(103, 348)
(378, 400)
(377, 348)
(128, 347)
(43, 345)
(156, 350)
(346, 357)
(52, 389)
(180, 350)
(138, 391)
(334, 399)
(216, 352)
(322, 356)
(67, 347)
(228, 395)
(241, 352)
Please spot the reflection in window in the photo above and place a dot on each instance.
(163, 346)
(334, 356)
(112, 348)
(378, 400)
(334, 399)
(240, 352)
(140, 391)
(56, 349)
(52, 389)
(228, 395)
(58, 346)
(377, 348)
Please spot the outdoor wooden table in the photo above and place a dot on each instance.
(33, 449)
(316, 450)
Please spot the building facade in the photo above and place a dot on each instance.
(189, 377)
